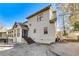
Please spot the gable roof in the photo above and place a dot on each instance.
(25, 22)
(44, 9)
(20, 24)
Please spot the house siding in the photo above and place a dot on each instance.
(39, 36)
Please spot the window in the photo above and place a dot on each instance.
(34, 30)
(39, 17)
(45, 30)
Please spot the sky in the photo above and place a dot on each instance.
(17, 12)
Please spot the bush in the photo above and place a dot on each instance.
(76, 26)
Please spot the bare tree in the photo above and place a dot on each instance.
(63, 8)
(74, 15)
(71, 9)
(74, 9)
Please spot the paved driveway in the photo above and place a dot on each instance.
(57, 49)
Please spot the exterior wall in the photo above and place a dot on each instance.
(18, 39)
(39, 36)
(10, 34)
(14, 35)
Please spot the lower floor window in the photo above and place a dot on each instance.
(45, 30)
(34, 30)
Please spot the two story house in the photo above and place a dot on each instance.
(42, 25)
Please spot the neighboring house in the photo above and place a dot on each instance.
(42, 25)
(3, 35)
(18, 32)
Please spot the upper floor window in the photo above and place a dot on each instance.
(39, 17)
(45, 30)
